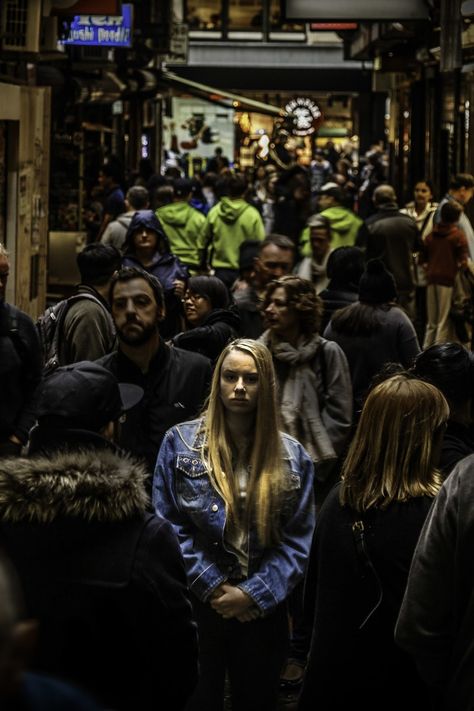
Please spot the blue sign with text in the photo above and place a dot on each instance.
(102, 30)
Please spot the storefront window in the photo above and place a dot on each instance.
(245, 15)
(204, 15)
(278, 24)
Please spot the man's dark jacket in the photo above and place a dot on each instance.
(104, 577)
(20, 372)
(393, 237)
(176, 386)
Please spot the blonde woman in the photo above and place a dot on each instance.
(240, 496)
(367, 532)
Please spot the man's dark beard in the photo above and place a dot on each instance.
(138, 340)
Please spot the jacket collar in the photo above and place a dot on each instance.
(92, 485)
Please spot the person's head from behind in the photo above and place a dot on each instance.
(4, 272)
(84, 396)
(137, 303)
(17, 634)
(276, 258)
(292, 308)
(393, 454)
(345, 267)
(384, 195)
(461, 187)
(450, 367)
(377, 284)
(145, 235)
(235, 185)
(319, 236)
(203, 295)
(183, 189)
(164, 195)
(450, 212)
(97, 263)
(248, 253)
(137, 198)
(243, 388)
(110, 174)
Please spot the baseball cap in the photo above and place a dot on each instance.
(182, 186)
(84, 395)
(328, 186)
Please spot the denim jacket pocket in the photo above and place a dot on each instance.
(193, 486)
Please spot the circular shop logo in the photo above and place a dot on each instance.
(305, 116)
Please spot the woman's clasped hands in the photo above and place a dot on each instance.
(230, 601)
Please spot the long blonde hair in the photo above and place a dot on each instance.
(266, 476)
(391, 455)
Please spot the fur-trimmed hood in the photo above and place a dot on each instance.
(94, 485)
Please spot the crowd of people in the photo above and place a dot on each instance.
(247, 476)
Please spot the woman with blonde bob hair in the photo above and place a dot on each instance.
(366, 535)
(240, 496)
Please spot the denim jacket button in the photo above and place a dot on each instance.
(215, 507)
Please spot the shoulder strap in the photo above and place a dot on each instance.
(322, 360)
(366, 565)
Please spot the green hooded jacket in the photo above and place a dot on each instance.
(228, 224)
(345, 225)
(183, 225)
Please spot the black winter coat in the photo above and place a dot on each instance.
(212, 335)
(354, 661)
(104, 577)
(20, 373)
(176, 386)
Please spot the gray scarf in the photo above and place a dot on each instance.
(299, 402)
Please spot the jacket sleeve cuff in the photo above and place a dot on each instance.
(260, 593)
(204, 585)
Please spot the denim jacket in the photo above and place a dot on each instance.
(183, 493)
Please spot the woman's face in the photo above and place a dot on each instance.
(280, 318)
(239, 383)
(196, 307)
(422, 193)
(143, 238)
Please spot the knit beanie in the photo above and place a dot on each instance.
(377, 285)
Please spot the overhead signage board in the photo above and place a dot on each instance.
(102, 30)
(305, 116)
(332, 26)
(355, 10)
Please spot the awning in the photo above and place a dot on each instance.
(219, 96)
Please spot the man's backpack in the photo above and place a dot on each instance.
(49, 326)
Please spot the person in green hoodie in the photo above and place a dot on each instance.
(183, 225)
(228, 224)
(347, 228)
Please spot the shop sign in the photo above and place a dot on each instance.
(305, 116)
(347, 10)
(102, 30)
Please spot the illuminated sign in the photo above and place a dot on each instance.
(305, 116)
(102, 30)
(347, 10)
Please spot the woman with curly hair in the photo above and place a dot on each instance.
(313, 374)
(239, 494)
(364, 542)
(315, 396)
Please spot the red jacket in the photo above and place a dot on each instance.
(445, 249)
